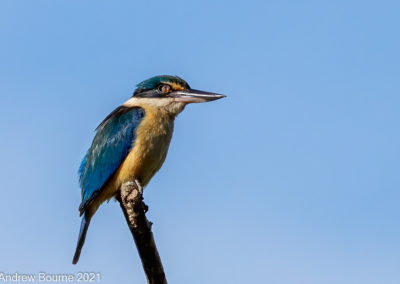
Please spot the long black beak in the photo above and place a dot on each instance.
(195, 96)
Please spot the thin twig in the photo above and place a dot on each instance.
(131, 201)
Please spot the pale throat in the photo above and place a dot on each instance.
(168, 105)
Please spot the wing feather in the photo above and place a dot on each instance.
(111, 144)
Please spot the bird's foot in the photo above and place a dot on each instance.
(139, 187)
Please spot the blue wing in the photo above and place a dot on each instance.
(110, 146)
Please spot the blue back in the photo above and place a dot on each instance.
(110, 146)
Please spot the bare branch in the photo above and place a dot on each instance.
(131, 201)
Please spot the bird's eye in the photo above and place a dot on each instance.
(164, 89)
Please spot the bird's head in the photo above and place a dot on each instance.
(170, 93)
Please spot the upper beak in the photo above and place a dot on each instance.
(195, 96)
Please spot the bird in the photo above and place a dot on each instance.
(132, 142)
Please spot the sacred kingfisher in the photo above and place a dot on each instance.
(132, 142)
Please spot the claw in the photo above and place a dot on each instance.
(145, 207)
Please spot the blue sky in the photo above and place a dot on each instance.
(293, 178)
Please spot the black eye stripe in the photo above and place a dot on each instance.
(161, 90)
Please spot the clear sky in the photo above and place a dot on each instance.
(293, 178)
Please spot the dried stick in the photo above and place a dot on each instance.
(131, 201)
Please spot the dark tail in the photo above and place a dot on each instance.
(81, 239)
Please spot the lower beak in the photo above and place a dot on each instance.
(195, 96)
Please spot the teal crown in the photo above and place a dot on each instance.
(155, 81)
